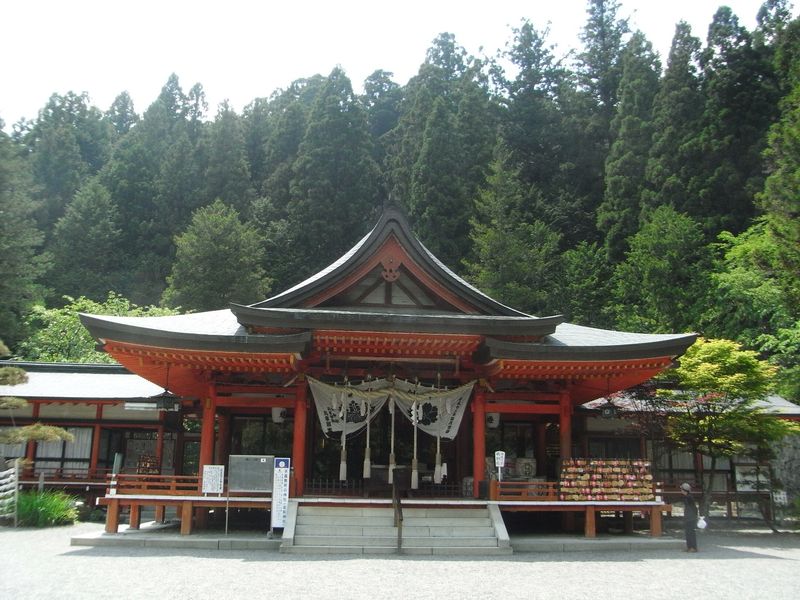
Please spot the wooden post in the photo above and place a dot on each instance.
(186, 517)
(565, 451)
(655, 521)
(590, 529)
(112, 517)
(540, 451)
(94, 457)
(160, 440)
(30, 447)
(207, 432)
(627, 521)
(136, 516)
(223, 438)
(478, 439)
(565, 425)
(299, 435)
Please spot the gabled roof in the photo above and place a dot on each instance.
(344, 297)
(391, 224)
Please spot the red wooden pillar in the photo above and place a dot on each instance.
(299, 435)
(94, 457)
(160, 440)
(565, 451)
(30, 448)
(207, 430)
(565, 426)
(223, 438)
(478, 439)
(541, 449)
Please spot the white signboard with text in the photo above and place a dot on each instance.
(213, 479)
(280, 492)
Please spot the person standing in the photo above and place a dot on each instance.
(689, 517)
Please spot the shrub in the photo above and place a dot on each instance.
(45, 509)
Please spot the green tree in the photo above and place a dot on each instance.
(517, 262)
(632, 130)
(21, 263)
(663, 283)
(740, 88)
(228, 174)
(714, 411)
(677, 108)
(121, 114)
(381, 98)
(58, 335)
(600, 63)
(85, 247)
(586, 287)
(779, 199)
(256, 129)
(69, 141)
(335, 184)
(135, 179)
(440, 208)
(218, 261)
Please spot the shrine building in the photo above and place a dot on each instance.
(385, 376)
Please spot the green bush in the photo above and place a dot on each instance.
(45, 509)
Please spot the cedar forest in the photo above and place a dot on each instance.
(601, 184)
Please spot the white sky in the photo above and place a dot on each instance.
(242, 49)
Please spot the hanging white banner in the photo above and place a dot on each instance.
(354, 405)
(439, 412)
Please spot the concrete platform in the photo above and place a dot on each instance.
(153, 535)
(609, 543)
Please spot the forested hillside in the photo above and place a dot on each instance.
(612, 185)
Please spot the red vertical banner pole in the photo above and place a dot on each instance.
(478, 439)
(299, 435)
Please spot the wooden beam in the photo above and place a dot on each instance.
(523, 409)
(248, 402)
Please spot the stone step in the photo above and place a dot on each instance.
(345, 510)
(412, 551)
(344, 540)
(303, 529)
(387, 521)
(410, 542)
(446, 522)
(447, 542)
(370, 530)
(452, 513)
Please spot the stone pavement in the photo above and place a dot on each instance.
(732, 563)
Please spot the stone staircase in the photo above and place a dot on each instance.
(370, 530)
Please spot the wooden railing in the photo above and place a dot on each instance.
(530, 491)
(171, 485)
(66, 474)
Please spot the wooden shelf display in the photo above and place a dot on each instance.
(612, 480)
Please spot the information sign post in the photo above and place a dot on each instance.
(280, 493)
(499, 462)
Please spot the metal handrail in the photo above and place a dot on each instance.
(398, 516)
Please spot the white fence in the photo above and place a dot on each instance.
(9, 492)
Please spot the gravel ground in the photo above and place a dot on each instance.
(40, 563)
